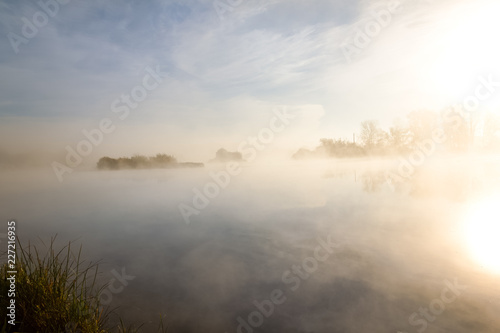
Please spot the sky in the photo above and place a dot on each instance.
(187, 77)
(223, 67)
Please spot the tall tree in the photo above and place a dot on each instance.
(421, 125)
(373, 137)
(399, 137)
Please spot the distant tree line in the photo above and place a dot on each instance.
(142, 162)
(461, 132)
(222, 155)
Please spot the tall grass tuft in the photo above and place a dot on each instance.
(55, 292)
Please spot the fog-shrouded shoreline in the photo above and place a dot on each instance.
(251, 166)
(394, 250)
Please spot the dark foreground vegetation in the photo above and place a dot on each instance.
(144, 162)
(55, 292)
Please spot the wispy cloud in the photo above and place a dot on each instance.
(275, 52)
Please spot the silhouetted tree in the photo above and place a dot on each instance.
(108, 163)
(421, 125)
(162, 160)
(373, 137)
(339, 148)
(223, 155)
(399, 138)
(459, 129)
(136, 162)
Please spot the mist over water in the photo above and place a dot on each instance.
(398, 246)
(254, 166)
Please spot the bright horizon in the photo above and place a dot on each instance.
(224, 69)
(112, 117)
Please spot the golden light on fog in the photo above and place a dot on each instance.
(465, 48)
(482, 231)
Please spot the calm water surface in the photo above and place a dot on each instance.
(398, 260)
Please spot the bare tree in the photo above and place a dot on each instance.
(373, 137)
(399, 138)
(421, 125)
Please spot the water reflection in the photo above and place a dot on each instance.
(453, 181)
(400, 243)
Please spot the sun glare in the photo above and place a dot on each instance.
(466, 48)
(482, 233)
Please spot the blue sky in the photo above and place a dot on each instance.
(223, 73)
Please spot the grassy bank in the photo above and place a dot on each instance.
(55, 291)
